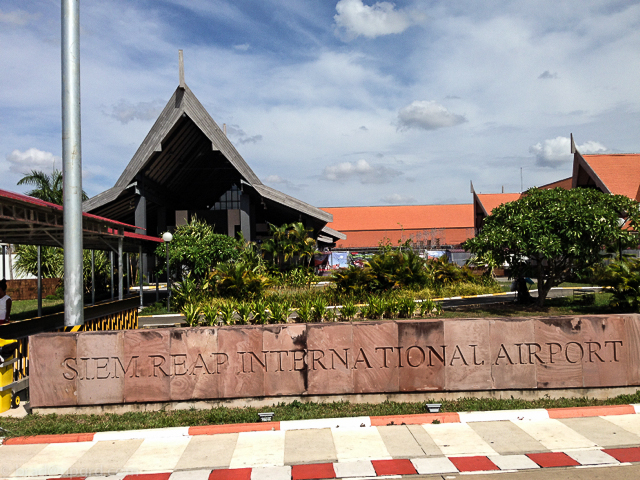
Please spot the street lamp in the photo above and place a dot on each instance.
(167, 237)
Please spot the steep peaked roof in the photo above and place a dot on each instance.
(183, 104)
(407, 217)
(564, 183)
(613, 173)
(489, 201)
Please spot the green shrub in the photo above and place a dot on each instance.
(240, 281)
(227, 313)
(352, 281)
(260, 312)
(375, 308)
(331, 314)
(319, 308)
(210, 313)
(406, 307)
(391, 307)
(348, 310)
(244, 312)
(623, 277)
(305, 312)
(191, 314)
(279, 311)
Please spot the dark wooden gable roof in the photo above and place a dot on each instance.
(183, 152)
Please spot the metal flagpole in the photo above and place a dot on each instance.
(72, 163)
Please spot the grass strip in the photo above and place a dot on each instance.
(59, 424)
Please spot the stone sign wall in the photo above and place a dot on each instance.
(178, 364)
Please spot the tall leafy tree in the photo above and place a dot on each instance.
(46, 187)
(49, 188)
(549, 234)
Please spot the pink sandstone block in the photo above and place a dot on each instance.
(99, 382)
(281, 341)
(373, 344)
(335, 341)
(195, 364)
(560, 339)
(244, 373)
(146, 366)
(468, 354)
(512, 344)
(53, 370)
(419, 355)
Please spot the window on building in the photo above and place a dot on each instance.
(230, 200)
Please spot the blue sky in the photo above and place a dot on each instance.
(337, 103)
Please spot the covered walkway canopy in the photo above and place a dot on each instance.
(30, 221)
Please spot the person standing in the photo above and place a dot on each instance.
(5, 303)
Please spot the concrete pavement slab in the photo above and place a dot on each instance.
(359, 444)
(602, 432)
(458, 439)
(104, 458)
(358, 468)
(592, 457)
(53, 460)
(554, 435)
(149, 433)
(513, 462)
(631, 423)
(506, 438)
(432, 466)
(271, 473)
(346, 422)
(259, 449)
(400, 442)
(425, 441)
(191, 475)
(14, 456)
(117, 476)
(156, 455)
(309, 446)
(208, 451)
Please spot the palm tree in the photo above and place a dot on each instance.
(47, 187)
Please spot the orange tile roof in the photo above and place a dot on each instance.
(368, 226)
(489, 201)
(564, 183)
(408, 217)
(619, 172)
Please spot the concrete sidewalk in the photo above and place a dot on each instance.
(360, 447)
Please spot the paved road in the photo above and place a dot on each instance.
(525, 440)
(622, 472)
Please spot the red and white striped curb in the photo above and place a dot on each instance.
(416, 419)
(417, 466)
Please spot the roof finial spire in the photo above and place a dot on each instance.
(181, 68)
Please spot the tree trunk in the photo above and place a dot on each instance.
(543, 289)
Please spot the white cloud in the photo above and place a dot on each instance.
(125, 111)
(281, 182)
(397, 199)
(354, 18)
(33, 159)
(547, 75)
(243, 48)
(241, 136)
(555, 152)
(17, 17)
(427, 115)
(360, 170)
